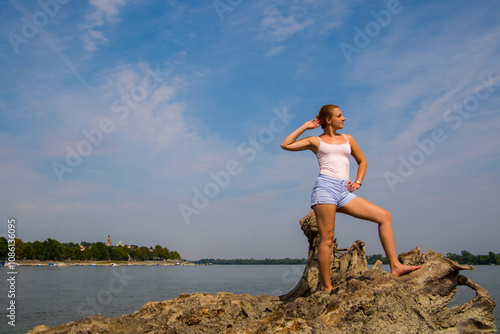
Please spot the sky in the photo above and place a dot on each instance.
(159, 122)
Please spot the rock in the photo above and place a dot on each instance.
(40, 329)
(363, 301)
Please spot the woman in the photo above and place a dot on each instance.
(332, 191)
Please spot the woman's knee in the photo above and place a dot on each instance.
(326, 240)
(385, 216)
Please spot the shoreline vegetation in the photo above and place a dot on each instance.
(465, 257)
(53, 253)
(52, 250)
(249, 261)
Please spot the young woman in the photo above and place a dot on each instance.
(332, 191)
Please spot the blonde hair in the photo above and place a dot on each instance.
(326, 112)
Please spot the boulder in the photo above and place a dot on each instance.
(362, 301)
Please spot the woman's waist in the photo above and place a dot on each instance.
(331, 178)
(334, 174)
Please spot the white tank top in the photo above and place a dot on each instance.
(334, 159)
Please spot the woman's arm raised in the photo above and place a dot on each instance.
(290, 143)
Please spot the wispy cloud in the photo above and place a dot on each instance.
(105, 12)
(281, 21)
(187, 94)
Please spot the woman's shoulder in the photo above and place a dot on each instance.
(348, 137)
(314, 140)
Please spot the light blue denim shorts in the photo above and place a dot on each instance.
(330, 190)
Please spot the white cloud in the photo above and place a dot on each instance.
(278, 26)
(394, 92)
(275, 50)
(282, 20)
(93, 39)
(411, 88)
(109, 8)
(105, 12)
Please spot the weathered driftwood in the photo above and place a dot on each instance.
(363, 301)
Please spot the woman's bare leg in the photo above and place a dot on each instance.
(325, 218)
(363, 209)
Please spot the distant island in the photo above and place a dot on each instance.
(464, 258)
(251, 261)
(53, 250)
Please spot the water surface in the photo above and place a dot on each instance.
(53, 296)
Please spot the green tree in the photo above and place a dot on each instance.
(70, 245)
(143, 253)
(86, 254)
(77, 254)
(159, 252)
(39, 251)
(29, 251)
(131, 251)
(54, 249)
(492, 258)
(371, 259)
(19, 246)
(453, 257)
(99, 251)
(467, 258)
(4, 250)
(86, 244)
(119, 254)
(174, 255)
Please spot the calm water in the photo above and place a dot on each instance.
(53, 296)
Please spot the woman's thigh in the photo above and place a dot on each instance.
(362, 209)
(325, 218)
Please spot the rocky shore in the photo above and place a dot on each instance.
(363, 301)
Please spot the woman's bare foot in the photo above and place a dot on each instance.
(401, 270)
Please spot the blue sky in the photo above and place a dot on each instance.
(160, 122)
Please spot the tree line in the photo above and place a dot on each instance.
(251, 261)
(52, 249)
(465, 257)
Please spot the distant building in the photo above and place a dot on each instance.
(109, 241)
(119, 244)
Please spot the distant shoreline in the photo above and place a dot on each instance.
(89, 263)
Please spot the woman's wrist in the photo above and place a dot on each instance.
(303, 128)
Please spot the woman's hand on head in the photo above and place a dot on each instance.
(312, 124)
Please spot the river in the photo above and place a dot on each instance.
(57, 295)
